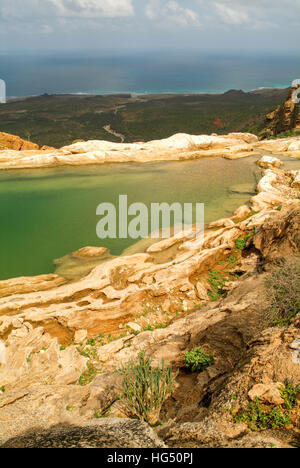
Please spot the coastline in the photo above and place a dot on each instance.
(162, 93)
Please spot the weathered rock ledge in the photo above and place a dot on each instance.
(177, 147)
(40, 365)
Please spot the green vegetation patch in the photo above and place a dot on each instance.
(88, 375)
(260, 417)
(283, 286)
(197, 360)
(145, 389)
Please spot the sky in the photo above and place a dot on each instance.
(114, 25)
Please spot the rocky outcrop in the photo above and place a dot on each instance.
(112, 433)
(13, 142)
(280, 234)
(284, 118)
(268, 162)
(177, 147)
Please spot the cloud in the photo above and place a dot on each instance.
(47, 17)
(14, 9)
(171, 13)
(257, 14)
(231, 15)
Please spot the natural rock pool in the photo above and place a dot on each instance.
(48, 213)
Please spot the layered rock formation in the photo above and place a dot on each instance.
(47, 380)
(177, 147)
(13, 142)
(285, 118)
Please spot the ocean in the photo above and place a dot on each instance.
(145, 73)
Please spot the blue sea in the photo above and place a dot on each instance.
(145, 73)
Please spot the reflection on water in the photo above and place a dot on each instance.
(48, 213)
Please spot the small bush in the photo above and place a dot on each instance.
(241, 243)
(88, 376)
(259, 419)
(271, 417)
(289, 394)
(217, 283)
(283, 286)
(145, 389)
(197, 360)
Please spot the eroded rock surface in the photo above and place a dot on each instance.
(13, 142)
(136, 304)
(177, 147)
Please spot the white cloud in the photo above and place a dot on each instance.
(12, 9)
(171, 13)
(231, 15)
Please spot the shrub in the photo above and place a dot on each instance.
(88, 376)
(289, 394)
(283, 287)
(241, 243)
(145, 389)
(217, 283)
(259, 418)
(197, 360)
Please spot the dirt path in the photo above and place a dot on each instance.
(108, 129)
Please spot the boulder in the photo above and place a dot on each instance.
(268, 162)
(13, 142)
(267, 393)
(296, 181)
(80, 336)
(106, 433)
(134, 327)
(88, 252)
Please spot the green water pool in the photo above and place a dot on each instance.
(48, 213)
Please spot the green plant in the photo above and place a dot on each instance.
(88, 375)
(241, 243)
(289, 395)
(217, 283)
(259, 419)
(197, 360)
(99, 415)
(145, 388)
(89, 352)
(2, 389)
(158, 326)
(283, 285)
(232, 259)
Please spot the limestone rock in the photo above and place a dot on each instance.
(107, 433)
(134, 327)
(86, 252)
(268, 162)
(80, 336)
(24, 285)
(241, 213)
(296, 181)
(267, 393)
(13, 142)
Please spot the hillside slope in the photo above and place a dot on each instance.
(58, 120)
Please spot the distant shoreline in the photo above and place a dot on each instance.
(133, 94)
